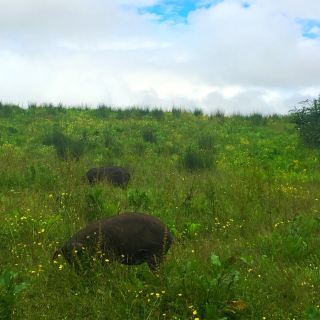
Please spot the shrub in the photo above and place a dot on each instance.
(120, 114)
(138, 199)
(148, 135)
(50, 109)
(219, 114)
(103, 111)
(198, 112)
(213, 291)
(9, 110)
(313, 313)
(307, 122)
(9, 289)
(206, 142)
(109, 140)
(194, 159)
(176, 112)
(138, 113)
(66, 147)
(139, 148)
(157, 114)
(257, 119)
(95, 204)
(32, 106)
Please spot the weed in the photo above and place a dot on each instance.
(157, 114)
(206, 142)
(9, 290)
(66, 147)
(176, 112)
(148, 135)
(138, 199)
(194, 159)
(198, 112)
(103, 111)
(257, 119)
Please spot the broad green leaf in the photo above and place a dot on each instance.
(215, 260)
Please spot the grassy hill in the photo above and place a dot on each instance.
(240, 194)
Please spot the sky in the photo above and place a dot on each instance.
(234, 56)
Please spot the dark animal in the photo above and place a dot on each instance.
(118, 176)
(130, 238)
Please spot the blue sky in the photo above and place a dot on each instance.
(177, 10)
(310, 28)
(233, 55)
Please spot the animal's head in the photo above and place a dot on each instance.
(56, 254)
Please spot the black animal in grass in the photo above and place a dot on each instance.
(118, 176)
(129, 238)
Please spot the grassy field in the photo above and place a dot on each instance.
(240, 194)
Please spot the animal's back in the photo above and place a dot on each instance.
(131, 238)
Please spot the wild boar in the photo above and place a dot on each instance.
(129, 238)
(118, 176)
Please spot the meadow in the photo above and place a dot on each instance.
(240, 194)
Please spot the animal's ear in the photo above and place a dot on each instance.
(56, 254)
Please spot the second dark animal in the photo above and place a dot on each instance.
(118, 176)
(130, 238)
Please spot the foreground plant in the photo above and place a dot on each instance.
(9, 289)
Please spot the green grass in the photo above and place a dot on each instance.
(240, 194)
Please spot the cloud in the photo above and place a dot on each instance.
(230, 56)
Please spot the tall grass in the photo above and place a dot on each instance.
(241, 197)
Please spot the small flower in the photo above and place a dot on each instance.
(194, 312)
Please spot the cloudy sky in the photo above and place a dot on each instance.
(230, 55)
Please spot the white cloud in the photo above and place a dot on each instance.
(90, 52)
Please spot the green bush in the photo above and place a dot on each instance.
(313, 313)
(149, 135)
(206, 142)
(176, 112)
(212, 290)
(9, 289)
(109, 140)
(307, 121)
(257, 119)
(9, 110)
(195, 159)
(66, 147)
(103, 111)
(139, 148)
(198, 112)
(138, 199)
(157, 114)
(219, 114)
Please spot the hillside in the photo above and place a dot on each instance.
(240, 195)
